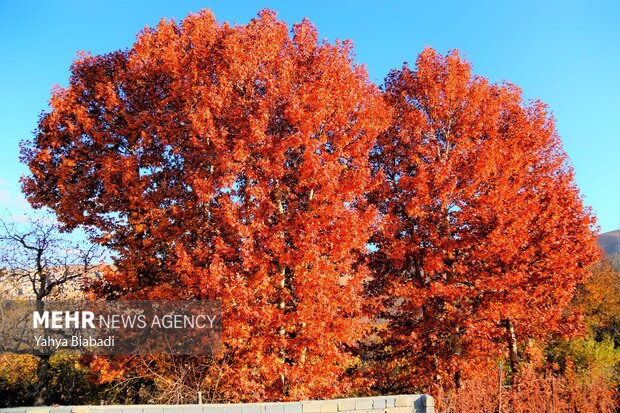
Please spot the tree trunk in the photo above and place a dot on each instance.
(40, 388)
(512, 348)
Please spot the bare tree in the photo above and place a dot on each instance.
(36, 256)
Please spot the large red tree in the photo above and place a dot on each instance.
(484, 236)
(226, 163)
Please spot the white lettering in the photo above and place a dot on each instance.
(40, 318)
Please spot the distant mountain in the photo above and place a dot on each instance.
(610, 242)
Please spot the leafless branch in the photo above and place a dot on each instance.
(35, 255)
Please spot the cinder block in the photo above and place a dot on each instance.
(184, 409)
(274, 408)
(329, 406)
(223, 408)
(251, 408)
(152, 409)
(37, 410)
(311, 406)
(389, 402)
(428, 400)
(136, 409)
(346, 405)
(364, 403)
(60, 409)
(378, 403)
(168, 409)
(403, 401)
(106, 409)
(292, 408)
(424, 404)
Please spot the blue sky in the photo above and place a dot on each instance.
(566, 53)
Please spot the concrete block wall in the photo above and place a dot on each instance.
(410, 403)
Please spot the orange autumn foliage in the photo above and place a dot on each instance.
(258, 166)
(599, 298)
(226, 163)
(484, 236)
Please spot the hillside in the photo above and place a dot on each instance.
(610, 242)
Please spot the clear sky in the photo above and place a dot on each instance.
(566, 53)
